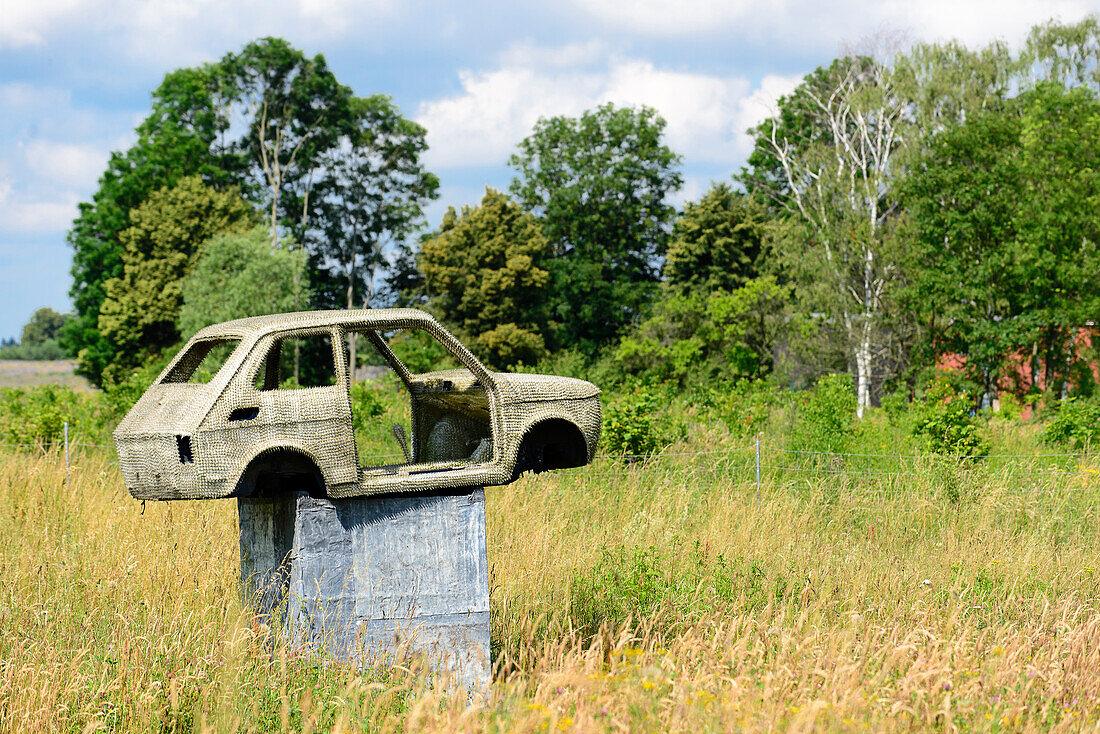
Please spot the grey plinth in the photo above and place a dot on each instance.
(367, 578)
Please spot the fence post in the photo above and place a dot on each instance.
(66, 452)
(758, 471)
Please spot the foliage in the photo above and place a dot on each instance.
(825, 417)
(35, 416)
(46, 350)
(1076, 424)
(139, 314)
(372, 192)
(632, 426)
(245, 274)
(945, 421)
(747, 407)
(1005, 245)
(716, 242)
(421, 352)
(699, 337)
(297, 143)
(962, 198)
(599, 183)
(179, 138)
(485, 272)
(365, 406)
(44, 325)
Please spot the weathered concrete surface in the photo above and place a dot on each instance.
(366, 577)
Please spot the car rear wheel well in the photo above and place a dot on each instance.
(555, 443)
(281, 471)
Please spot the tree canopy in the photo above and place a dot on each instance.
(600, 185)
(484, 272)
(239, 274)
(141, 307)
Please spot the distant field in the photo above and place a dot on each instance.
(21, 373)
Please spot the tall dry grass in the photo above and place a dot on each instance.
(652, 597)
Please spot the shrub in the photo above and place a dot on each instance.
(944, 421)
(746, 408)
(47, 350)
(36, 416)
(825, 419)
(631, 426)
(365, 405)
(1077, 424)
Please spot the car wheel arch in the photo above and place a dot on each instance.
(550, 443)
(283, 469)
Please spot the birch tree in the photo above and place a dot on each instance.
(836, 172)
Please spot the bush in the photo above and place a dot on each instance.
(631, 426)
(747, 407)
(1076, 425)
(825, 421)
(36, 416)
(47, 350)
(365, 405)
(944, 421)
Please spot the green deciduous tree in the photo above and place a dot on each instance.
(695, 335)
(371, 193)
(243, 274)
(600, 184)
(44, 325)
(961, 201)
(139, 313)
(832, 164)
(1004, 235)
(180, 137)
(295, 111)
(484, 272)
(717, 241)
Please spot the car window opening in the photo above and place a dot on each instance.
(298, 362)
(443, 410)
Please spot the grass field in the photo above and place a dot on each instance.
(658, 600)
(862, 593)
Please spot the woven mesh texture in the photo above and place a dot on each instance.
(188, 440)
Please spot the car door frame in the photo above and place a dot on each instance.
(486, 473)
(331, 441)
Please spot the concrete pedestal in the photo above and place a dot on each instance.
(368, 577)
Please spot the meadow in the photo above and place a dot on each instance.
(878, 588)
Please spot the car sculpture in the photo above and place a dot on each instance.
(209, 428)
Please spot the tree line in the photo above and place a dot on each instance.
(903, 204)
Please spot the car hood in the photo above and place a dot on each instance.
(523, 388)
(167, 409)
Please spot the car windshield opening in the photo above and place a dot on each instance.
(202, 361)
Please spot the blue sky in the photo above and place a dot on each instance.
(75, 77)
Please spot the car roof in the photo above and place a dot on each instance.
(256, 326)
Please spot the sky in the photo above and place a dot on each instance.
(75, 78)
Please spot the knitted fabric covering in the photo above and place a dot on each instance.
(239, 432)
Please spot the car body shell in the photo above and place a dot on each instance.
(185, 440)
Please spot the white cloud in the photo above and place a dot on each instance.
(71, 164)
(27, 215)
(793, 23)
(26, 23)
(185, 31)
(707, 115)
